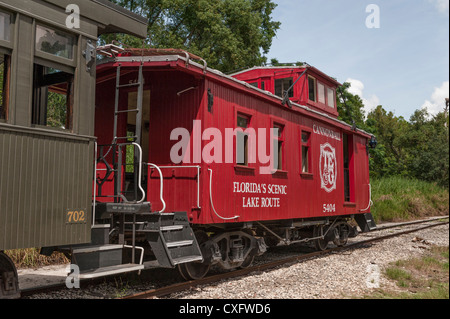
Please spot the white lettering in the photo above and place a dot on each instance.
(326, 132)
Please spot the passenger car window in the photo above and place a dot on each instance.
(52, 97)
(5, 22)
(54, 42)
(4, 85)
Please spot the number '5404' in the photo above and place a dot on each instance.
(329, 208)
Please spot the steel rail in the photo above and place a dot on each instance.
(164, 291)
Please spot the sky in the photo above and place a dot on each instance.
(395, 53)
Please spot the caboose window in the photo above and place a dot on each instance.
(331, 98)
(312, 88)
(5, 22)
(282, 85)
(278, 142)
(306, 153)
(4, 85)
(52, 97)
(243, 122)
(54, 42)
(321, 92)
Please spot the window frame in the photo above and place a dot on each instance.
(6, 86)
(308, 145)
(250, 155)
(10, 42)
(320, 84)
(38, 111)
(42, 55)
(281, 139)
(328, 96)
(62, 64)
(315, 89)
(283, 88)
(6, 48)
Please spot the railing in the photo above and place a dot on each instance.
(115, 168)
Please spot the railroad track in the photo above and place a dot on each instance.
(182, 286)
(179, 287)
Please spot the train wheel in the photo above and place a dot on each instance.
(247, 262)
(249, 259)
(9, 281)
(195, 270)
(341, 234)
(319, 244)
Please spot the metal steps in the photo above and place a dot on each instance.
(365, 222)
(111, 270)
(172, 239)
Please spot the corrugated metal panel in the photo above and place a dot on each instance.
(42, 176)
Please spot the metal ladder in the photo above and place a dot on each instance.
(137, 138)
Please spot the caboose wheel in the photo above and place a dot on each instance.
(9, 281)
(319, 244)
(195, 270)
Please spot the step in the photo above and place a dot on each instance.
(170, 228)
(95, 248)
(111, 270)
(97, 256)
(100, 234)
(187, 259)
(162, 228)
(179, 243)
(365, 222)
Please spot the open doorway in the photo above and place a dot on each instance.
(131, 191)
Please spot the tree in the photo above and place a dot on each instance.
(350, 106)
(228, 34)
(429, 147)
(391, 133)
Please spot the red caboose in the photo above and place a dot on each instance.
(248, 160)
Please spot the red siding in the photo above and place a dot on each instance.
(304, 195)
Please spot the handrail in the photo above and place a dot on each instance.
(198, 167)
(160, 187)
(370, 200)
(142, 253)
(95, 184)
(140, 172)
(139, 179)
(210, 197)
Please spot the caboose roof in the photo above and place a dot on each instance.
(270, 70)
(171, 58)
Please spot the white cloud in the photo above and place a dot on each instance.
(441, 5)
(437, 103)
(357, 88)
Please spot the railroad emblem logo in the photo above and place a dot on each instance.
(328, 167)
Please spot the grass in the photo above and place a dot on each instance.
(419, 278)
(30, 258)
(402, 199)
